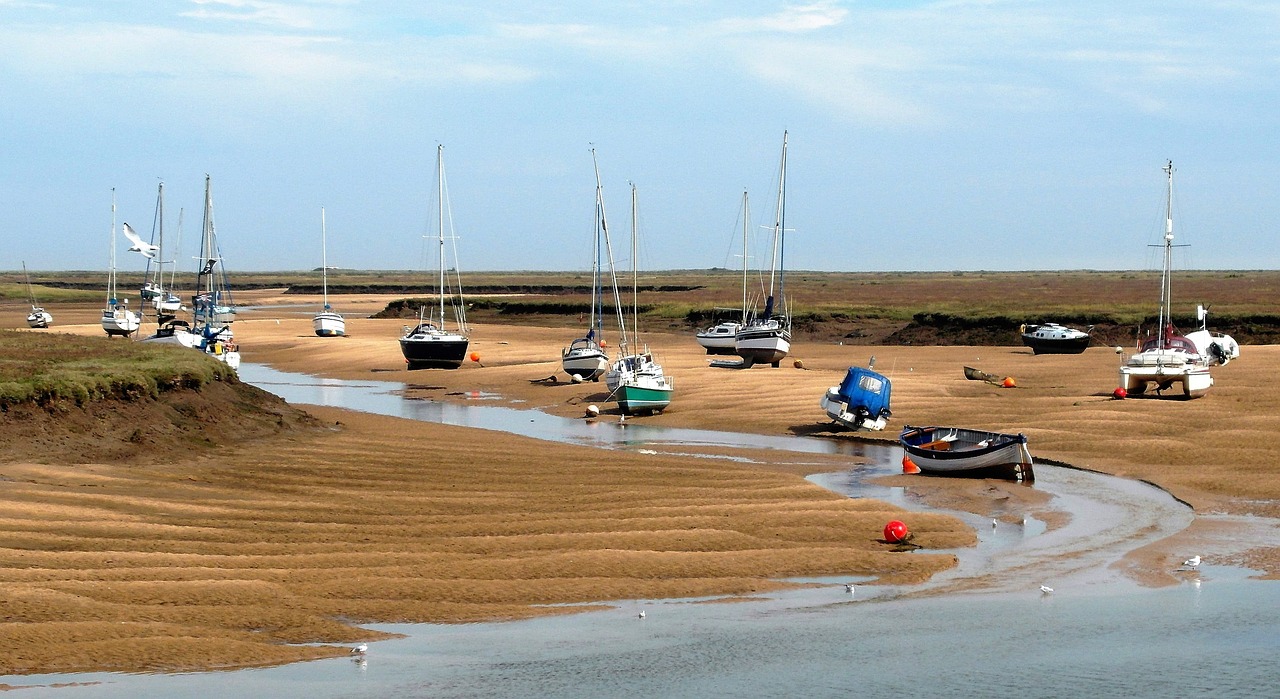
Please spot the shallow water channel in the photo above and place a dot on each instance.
(983, 629)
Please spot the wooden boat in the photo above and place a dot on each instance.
(977, 375)
(861, 401)
(1167, 360)
(961, 451)
(1051, 338)
(327, 322)
(428, 345)
(585, 358)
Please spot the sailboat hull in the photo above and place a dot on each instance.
(763, 344)
(433, 350)
(120, 323)
(720, 339)
(328, 324)
(644, 397)
(586, 363)
(39, 318)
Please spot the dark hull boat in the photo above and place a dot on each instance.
(1051, 338)
(428, 347)
(960, 451)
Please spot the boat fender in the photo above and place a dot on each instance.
(1219, 355)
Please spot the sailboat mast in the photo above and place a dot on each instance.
(324, 261)
(746, 216)
(608, 247)
(635, 268)
(440, 221)
(1166, 291)
(111, 275)
(782, 230)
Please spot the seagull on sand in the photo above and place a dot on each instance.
(1046, 590)
(1192, 562)
(139, 245)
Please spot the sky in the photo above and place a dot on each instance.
(922, 136)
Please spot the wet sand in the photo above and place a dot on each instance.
(223, 559)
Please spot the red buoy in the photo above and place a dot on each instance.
(895, 531)
(1009, 382)
(1120, 393)
(909, 466)
(475, 357)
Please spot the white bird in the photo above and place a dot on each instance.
(139, 245)
(993, 524)
(848, 587)
(1192, 562)
(640, 615)
(1045, 590)
(360, 649)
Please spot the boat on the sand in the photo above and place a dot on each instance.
(962, 451)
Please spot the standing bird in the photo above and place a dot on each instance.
(360, 649)
(1192, 562)
(1046, 590)
(848, 587)
(640, 615)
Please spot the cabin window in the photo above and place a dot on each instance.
(870, 383)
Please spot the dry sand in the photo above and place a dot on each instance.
(228, 558)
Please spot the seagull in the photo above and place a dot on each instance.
(993, 524)
(1192, 562)
(848, 587)
(1045, 590)
(147, 249)
(360, 649)
(640, 615)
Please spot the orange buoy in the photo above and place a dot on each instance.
(1008, 382)
(475, 357)
(1120, 393)
(895, 532)
(909, 466)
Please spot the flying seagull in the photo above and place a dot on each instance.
(139, 245)
(1192, 562)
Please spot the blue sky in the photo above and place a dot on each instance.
(950, 135)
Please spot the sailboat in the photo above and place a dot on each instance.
(428, 345)
(721, 338)
(766, 339)
(153, 290)
(328, 322)
(641, 385)
(117, 319)
(212, 311)
(1168, 359)
(585, 358)
(38, 318)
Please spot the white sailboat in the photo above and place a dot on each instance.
(38, 317)
(1168, 360)
(585, 358)
(154, 291)
(328, 322)
(721, 338)
(212, 311)
(117, 319)
(428, 345)
(766, 338)
(640, 385)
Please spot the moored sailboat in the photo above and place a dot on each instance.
(154, 291)
(38, 317)
(328, 322)
(1169, 360)
(585, 358)
(641, 384)
(766, 338)
(117, 319)
(428, 345)
(721, 338)
(211, 305)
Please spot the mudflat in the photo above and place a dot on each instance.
(265, 550)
